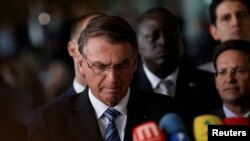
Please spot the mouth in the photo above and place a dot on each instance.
(236, 33)
(112, 90)
(231, 89)
(162, 54)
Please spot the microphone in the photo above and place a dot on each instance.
(201, 123)
(173, 126)
(148, 131)
(236, 121)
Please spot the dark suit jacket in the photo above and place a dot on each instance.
(69, 92)
(195, 91)
(12, 130)
(220, 113)
(73, 118)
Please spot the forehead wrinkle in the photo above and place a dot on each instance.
(98, 50)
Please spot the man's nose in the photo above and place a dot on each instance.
(112, 75)
(230, 77)
(162, 39)
(235, 20)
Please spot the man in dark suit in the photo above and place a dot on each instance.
(108, 61)
(79, 82)
(162, 53)
(232, 64)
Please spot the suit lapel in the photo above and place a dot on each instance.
(85, 118)
(137, 113)
(140, 80)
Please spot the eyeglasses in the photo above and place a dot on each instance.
(103, 69)
(237, 72)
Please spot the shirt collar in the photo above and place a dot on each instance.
(229, 113)
(154, 80)
(100, 107)
(78, 87)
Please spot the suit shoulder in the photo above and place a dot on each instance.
(152, 98)
(57, 104)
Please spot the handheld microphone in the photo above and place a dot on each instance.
(173, 126)
(201, 123)
(148, 131)
(236, 121)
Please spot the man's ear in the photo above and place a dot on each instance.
(72, 46)
(213, 32)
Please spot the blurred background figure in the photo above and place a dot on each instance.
(79, 82)
(230, 19)
(56, 78)
(232, 64)
(20, 89)
(12, 130)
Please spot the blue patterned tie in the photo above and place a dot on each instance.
(111, 133)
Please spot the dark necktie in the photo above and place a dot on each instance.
(111, 132)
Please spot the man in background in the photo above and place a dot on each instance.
(79, 82)
(230, 19)
(232, 64)
(162, 53)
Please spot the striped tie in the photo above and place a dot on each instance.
(111, 133)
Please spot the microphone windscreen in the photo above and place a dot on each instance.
(172, 123)
(236, 121)
(200, 126)
(148, 131)
(179, 136)
(174, 127)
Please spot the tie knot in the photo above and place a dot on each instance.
(168, 83)
(165, 87)
(111, 113)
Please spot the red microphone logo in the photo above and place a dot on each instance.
(148, 131)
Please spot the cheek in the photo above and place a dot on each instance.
(218, 83)
(245, 83)
(146, 49)
(90, 77)
(93, 81)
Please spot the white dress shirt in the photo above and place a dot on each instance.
(78, 87)
(120, 120)
(154, 80)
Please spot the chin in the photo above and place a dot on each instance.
(236, 36)
(111, 101)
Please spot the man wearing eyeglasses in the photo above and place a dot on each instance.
(232, 77)
(107, 108)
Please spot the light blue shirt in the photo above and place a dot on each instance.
(229, 113)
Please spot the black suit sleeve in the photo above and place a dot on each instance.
(38, 127)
